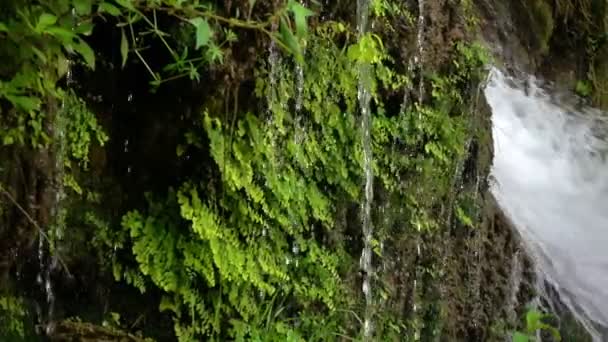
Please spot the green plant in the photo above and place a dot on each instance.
(38, 41)
(534, 323)
(583, 88)
(209, 34)
(12, 315)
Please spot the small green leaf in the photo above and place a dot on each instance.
(203, 31)
(39, 54)
(519, 337)
(27, 103)
(583, 88)
(124, 47)
(3, 27)
(194, 74)
(83, 7)
(290, 41)
(300, 13)
(125, 3)
(250, 10)
(86, 52)
(45, 20)
(66, 36)
(70, 182)
(214, 54)
(106, 7)
(62, 66)
(464, 218)
(167, 304)
(85, 28)
(8, 140)
(534, 319)
(231, 36)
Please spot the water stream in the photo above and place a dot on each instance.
(419, 44)
(364, 97)
(49, 246)
(551, 178)
(416, 60)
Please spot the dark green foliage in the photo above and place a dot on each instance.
(12, 315)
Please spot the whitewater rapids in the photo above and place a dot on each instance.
(550, 176)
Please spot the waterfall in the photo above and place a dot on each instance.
(550, 175)
(364, 97)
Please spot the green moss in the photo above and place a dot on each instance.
(12, 317)
(541, 18)
(598, 76)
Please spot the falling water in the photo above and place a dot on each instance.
(299, 131)
(419, 45)
(550, 179)
(515, 280)
(364, 97)
(48, 246)
(273, 64)
(299, 86)
(416, 61)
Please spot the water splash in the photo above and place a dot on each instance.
(550, 178)
(364, 97)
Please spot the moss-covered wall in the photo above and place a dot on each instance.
(563, 41)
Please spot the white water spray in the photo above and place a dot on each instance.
(551, 178)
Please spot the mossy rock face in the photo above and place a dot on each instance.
(541, 18)
(561, 41)
(598, 77)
